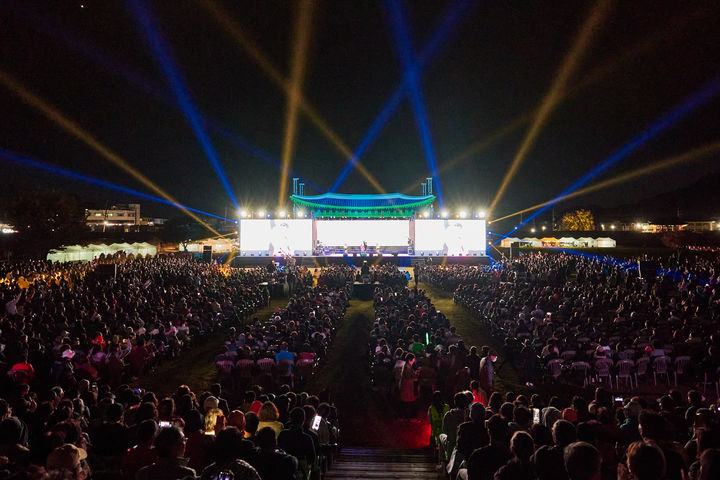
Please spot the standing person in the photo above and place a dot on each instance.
(487, 376)
(472, 361)
(436, 412)
(407, 387)
(529, 359)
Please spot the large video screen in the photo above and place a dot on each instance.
(386, 233)
(276, 237)
(450, 237)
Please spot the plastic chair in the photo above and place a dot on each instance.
(602, 370)
(584, 368)
(641, 368)
(681, 366)
(555, 368)
(660, 367)
(568, 355)
(266, 364)
(624, 371)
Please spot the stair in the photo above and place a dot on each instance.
(383, 463)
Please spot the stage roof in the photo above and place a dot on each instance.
(391, 205)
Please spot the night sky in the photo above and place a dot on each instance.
(497, 63)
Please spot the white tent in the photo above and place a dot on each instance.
(219, 245)
(505, 242)
(87, 253)
(533, 242)
(566, 241)
(587, 242)
(605, 242)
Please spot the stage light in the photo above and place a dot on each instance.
(543, 228)
(669, 119)
(243, 213)
(574, 57)
(300, 42)
(463, 214)
(261, 213)
(29, 162)
(161, 52)
(54, 115)
(426, 214)
(638, 225)
(532, 230)
(456, 12)
(282, 213)
(300, 213)
(612, 227)
(445, 214)
(235, 31)
(411, 70)
(481, 214)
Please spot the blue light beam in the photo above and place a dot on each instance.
(696, 100)
(63, 172)
(161, 51)
(431, 47)
(402, 40)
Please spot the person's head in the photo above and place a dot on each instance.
(564, 433)
(251, 423)
(646, 461)
(67, 459)
(522, 446)
(506, 410)
(546, 461)
(297, 416)
(497, 429)
(236, 418)
(477, 412)
(437, 400)
(114, 412)
(709, 464)
(522, 416)
(582, 461)
(268, 412)
(227, 444)
(170, 443)
(146, 432)
(652, 426)
(541, 435)
(460, 400)
(265, 439)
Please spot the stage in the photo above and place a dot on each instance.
(399, 260)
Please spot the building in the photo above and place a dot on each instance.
(115, 216)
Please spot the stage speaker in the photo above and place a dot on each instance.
(106, 270)
(207, 253)
(648, 269)
(514, 250)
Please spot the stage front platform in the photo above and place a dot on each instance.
(399, 260)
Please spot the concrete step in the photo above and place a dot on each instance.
(383, 463)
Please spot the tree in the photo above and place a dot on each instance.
(578, 220)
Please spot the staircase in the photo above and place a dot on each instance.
(383, 463)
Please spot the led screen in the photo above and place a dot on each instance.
(450, 237)
(386, 233)
(276, 237)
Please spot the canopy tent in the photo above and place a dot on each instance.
(566, 242)
(549, 242)
(533, 241)
(586, 242)
(219, 245)
(88, 253)
(605, 242)
(506, 242)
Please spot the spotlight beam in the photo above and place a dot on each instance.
(63, 172)
(691, 155)
(69, 126)
(161, 51)
(235, 31)
(668, 34)
(140, 82)
(301, 41)
(386, 112)
(690, 104)
(402, 41)
(580, 46)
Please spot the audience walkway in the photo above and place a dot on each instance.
(378, 463)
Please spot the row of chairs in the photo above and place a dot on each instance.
(626, 370)
(248, 371)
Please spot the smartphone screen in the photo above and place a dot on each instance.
(164, 424)
(316, 422)
(536, 415)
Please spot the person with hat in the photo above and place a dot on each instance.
(67, 460)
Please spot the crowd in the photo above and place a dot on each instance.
(72, 339)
